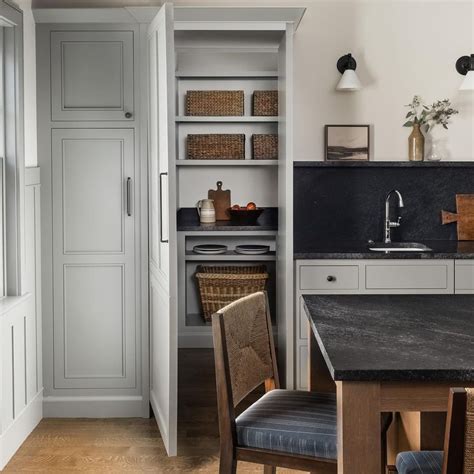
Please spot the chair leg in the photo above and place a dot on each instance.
(227, 464)
(269, 469)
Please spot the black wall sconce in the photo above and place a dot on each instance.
(465, 66)
(347, 65)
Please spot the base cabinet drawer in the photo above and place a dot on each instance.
(329, 277)
(464, 277)
(302, 368)
(405, 276)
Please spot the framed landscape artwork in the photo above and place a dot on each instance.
(347, 142)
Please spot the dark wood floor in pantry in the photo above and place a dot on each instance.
(134, 444)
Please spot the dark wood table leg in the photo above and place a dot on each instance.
(358, 428)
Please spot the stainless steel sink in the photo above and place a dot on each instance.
(398, 247)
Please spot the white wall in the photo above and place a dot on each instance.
(403, 47)
(30, 82)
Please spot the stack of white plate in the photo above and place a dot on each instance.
(252, 249)
(210, 249)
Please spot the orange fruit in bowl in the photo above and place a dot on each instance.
(251, 206)
(235, 207)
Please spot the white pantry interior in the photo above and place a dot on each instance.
(117, 285)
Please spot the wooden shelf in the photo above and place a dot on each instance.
(220, 119)
(230, 256)
(226, 75)
(226, 162)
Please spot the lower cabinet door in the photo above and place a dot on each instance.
(302, 368)
(94, 259)
(464, 277)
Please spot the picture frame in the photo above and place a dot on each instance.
(347, 143)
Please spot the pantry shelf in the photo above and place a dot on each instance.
(226, 119)
(231, 256)
(186, 162)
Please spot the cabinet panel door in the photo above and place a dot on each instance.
(92, 75)
(162, 228)
(94, 258)
(392, 276)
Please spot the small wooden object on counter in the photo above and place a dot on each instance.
(464, 216)
(215, 103)
(216, 146)
(265, 103)
(221, 200)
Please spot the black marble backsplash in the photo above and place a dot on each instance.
(347, 203)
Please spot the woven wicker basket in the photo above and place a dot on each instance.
(222, 285)
(212, 103)
(217, 146)
(265, 103)
(265, 147)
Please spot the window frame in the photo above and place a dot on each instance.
(12, 146)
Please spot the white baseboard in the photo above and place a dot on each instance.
(19, 430)
(93, 407)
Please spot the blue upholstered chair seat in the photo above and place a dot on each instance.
(419, 462)
(294, 422)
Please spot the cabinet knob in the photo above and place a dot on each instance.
(331, 278)
(128, 115)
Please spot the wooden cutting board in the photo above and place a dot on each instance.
(464, 216)
(221, 201)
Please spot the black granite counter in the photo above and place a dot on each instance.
(395, 337)
(188, 220)
(384, 164)
(442, 249)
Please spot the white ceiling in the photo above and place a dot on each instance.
(92, 3)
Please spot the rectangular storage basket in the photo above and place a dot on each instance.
(215, 103)
(221, 285)
(217, 146)
(265, 103)
(265, 147)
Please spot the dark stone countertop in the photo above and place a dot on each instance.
(383, 164)
(395, 337)
(188, 220)
(442, 249)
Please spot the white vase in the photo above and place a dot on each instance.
(437, 145)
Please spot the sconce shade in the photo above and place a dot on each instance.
(465, 66)
(347, 65)
(349, 81)
(468, 83)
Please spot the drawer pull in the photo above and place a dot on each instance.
(331, 278)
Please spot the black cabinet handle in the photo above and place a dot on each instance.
(162, 240)
(331, 278)
(129, 197)
(128, 115)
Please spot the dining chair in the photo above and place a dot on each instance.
(458, 454)
(285, 428)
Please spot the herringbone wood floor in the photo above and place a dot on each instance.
(134, 445)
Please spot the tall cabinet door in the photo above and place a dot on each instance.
(92, 75)
(94, 258)
(162, 225)
(285, 270)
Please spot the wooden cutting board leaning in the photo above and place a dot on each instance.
(464, 216)
(221, 201)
